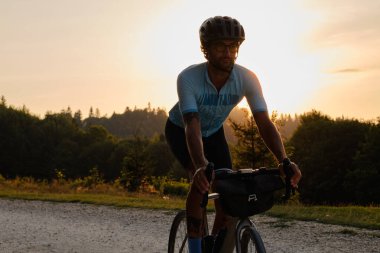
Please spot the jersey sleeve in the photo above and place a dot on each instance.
(186, 95)
(254, 93)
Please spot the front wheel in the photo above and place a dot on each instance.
(250, 241)
(178, 234)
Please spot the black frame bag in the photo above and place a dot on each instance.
(248, 194)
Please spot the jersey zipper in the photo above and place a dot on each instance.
(215, 112)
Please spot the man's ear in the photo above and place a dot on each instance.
(204, 51)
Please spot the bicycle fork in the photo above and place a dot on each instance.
(241, 226)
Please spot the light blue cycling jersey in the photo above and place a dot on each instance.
(196, 93)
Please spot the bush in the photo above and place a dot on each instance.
(168, 186)
(175, 188)
(157, 182)
(90, 182)
(325, 150)
(2, 179)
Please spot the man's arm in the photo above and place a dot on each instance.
(195, 147)
(272, 139)
(194, 139)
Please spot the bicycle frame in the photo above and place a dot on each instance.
(244, 229)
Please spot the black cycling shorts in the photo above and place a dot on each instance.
(215, 146)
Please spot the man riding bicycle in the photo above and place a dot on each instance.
(207, 93)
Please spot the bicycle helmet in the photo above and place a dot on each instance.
(219, 28)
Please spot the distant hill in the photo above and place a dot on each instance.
(145, 122)
(150, 122)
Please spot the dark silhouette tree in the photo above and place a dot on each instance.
(250, 150)
(325, 151)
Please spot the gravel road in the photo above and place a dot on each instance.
(35, 226)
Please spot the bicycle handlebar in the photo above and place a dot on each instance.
(230, 174)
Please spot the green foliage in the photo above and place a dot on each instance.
(92, 182)
(59, 142)
(354, 216)
(177, 171)
(325, 151)
(60, 175)
(157, 182)
(159, 156)
(94, 178)
(19, 142)
(167, 186)
(175, 188)
(362, 181)
(135, 162)
(339, 158)
(2, 179)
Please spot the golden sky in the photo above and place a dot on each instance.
(110, 54)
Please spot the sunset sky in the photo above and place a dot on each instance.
(110, 54)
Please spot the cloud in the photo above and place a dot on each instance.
(347, 70)
(362, 68)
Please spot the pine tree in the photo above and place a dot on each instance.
(3, 101)
(250, 150)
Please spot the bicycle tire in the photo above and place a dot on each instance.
(178, 234)
(251, 241)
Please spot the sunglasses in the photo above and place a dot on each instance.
(221, 47)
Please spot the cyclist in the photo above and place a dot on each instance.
(207, 93)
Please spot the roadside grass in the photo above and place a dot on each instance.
(91, 190)
(114, 194)
(137, 200)
(355, 216)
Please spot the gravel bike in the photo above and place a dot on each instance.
(242, 193)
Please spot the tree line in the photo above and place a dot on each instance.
(338, 157)
(61, 143)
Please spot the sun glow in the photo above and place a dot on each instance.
(308, 54)
(273, 48)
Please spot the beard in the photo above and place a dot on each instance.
(222, 64)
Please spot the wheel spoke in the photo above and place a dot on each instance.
(183, 244)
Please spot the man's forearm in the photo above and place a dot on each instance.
(194, 140)
(195, 146)
(270, 135)
(273, 141)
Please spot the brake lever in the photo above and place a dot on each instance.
(208, 173)
(289, 189)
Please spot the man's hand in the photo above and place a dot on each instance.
(296, 174)
(200, 180)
